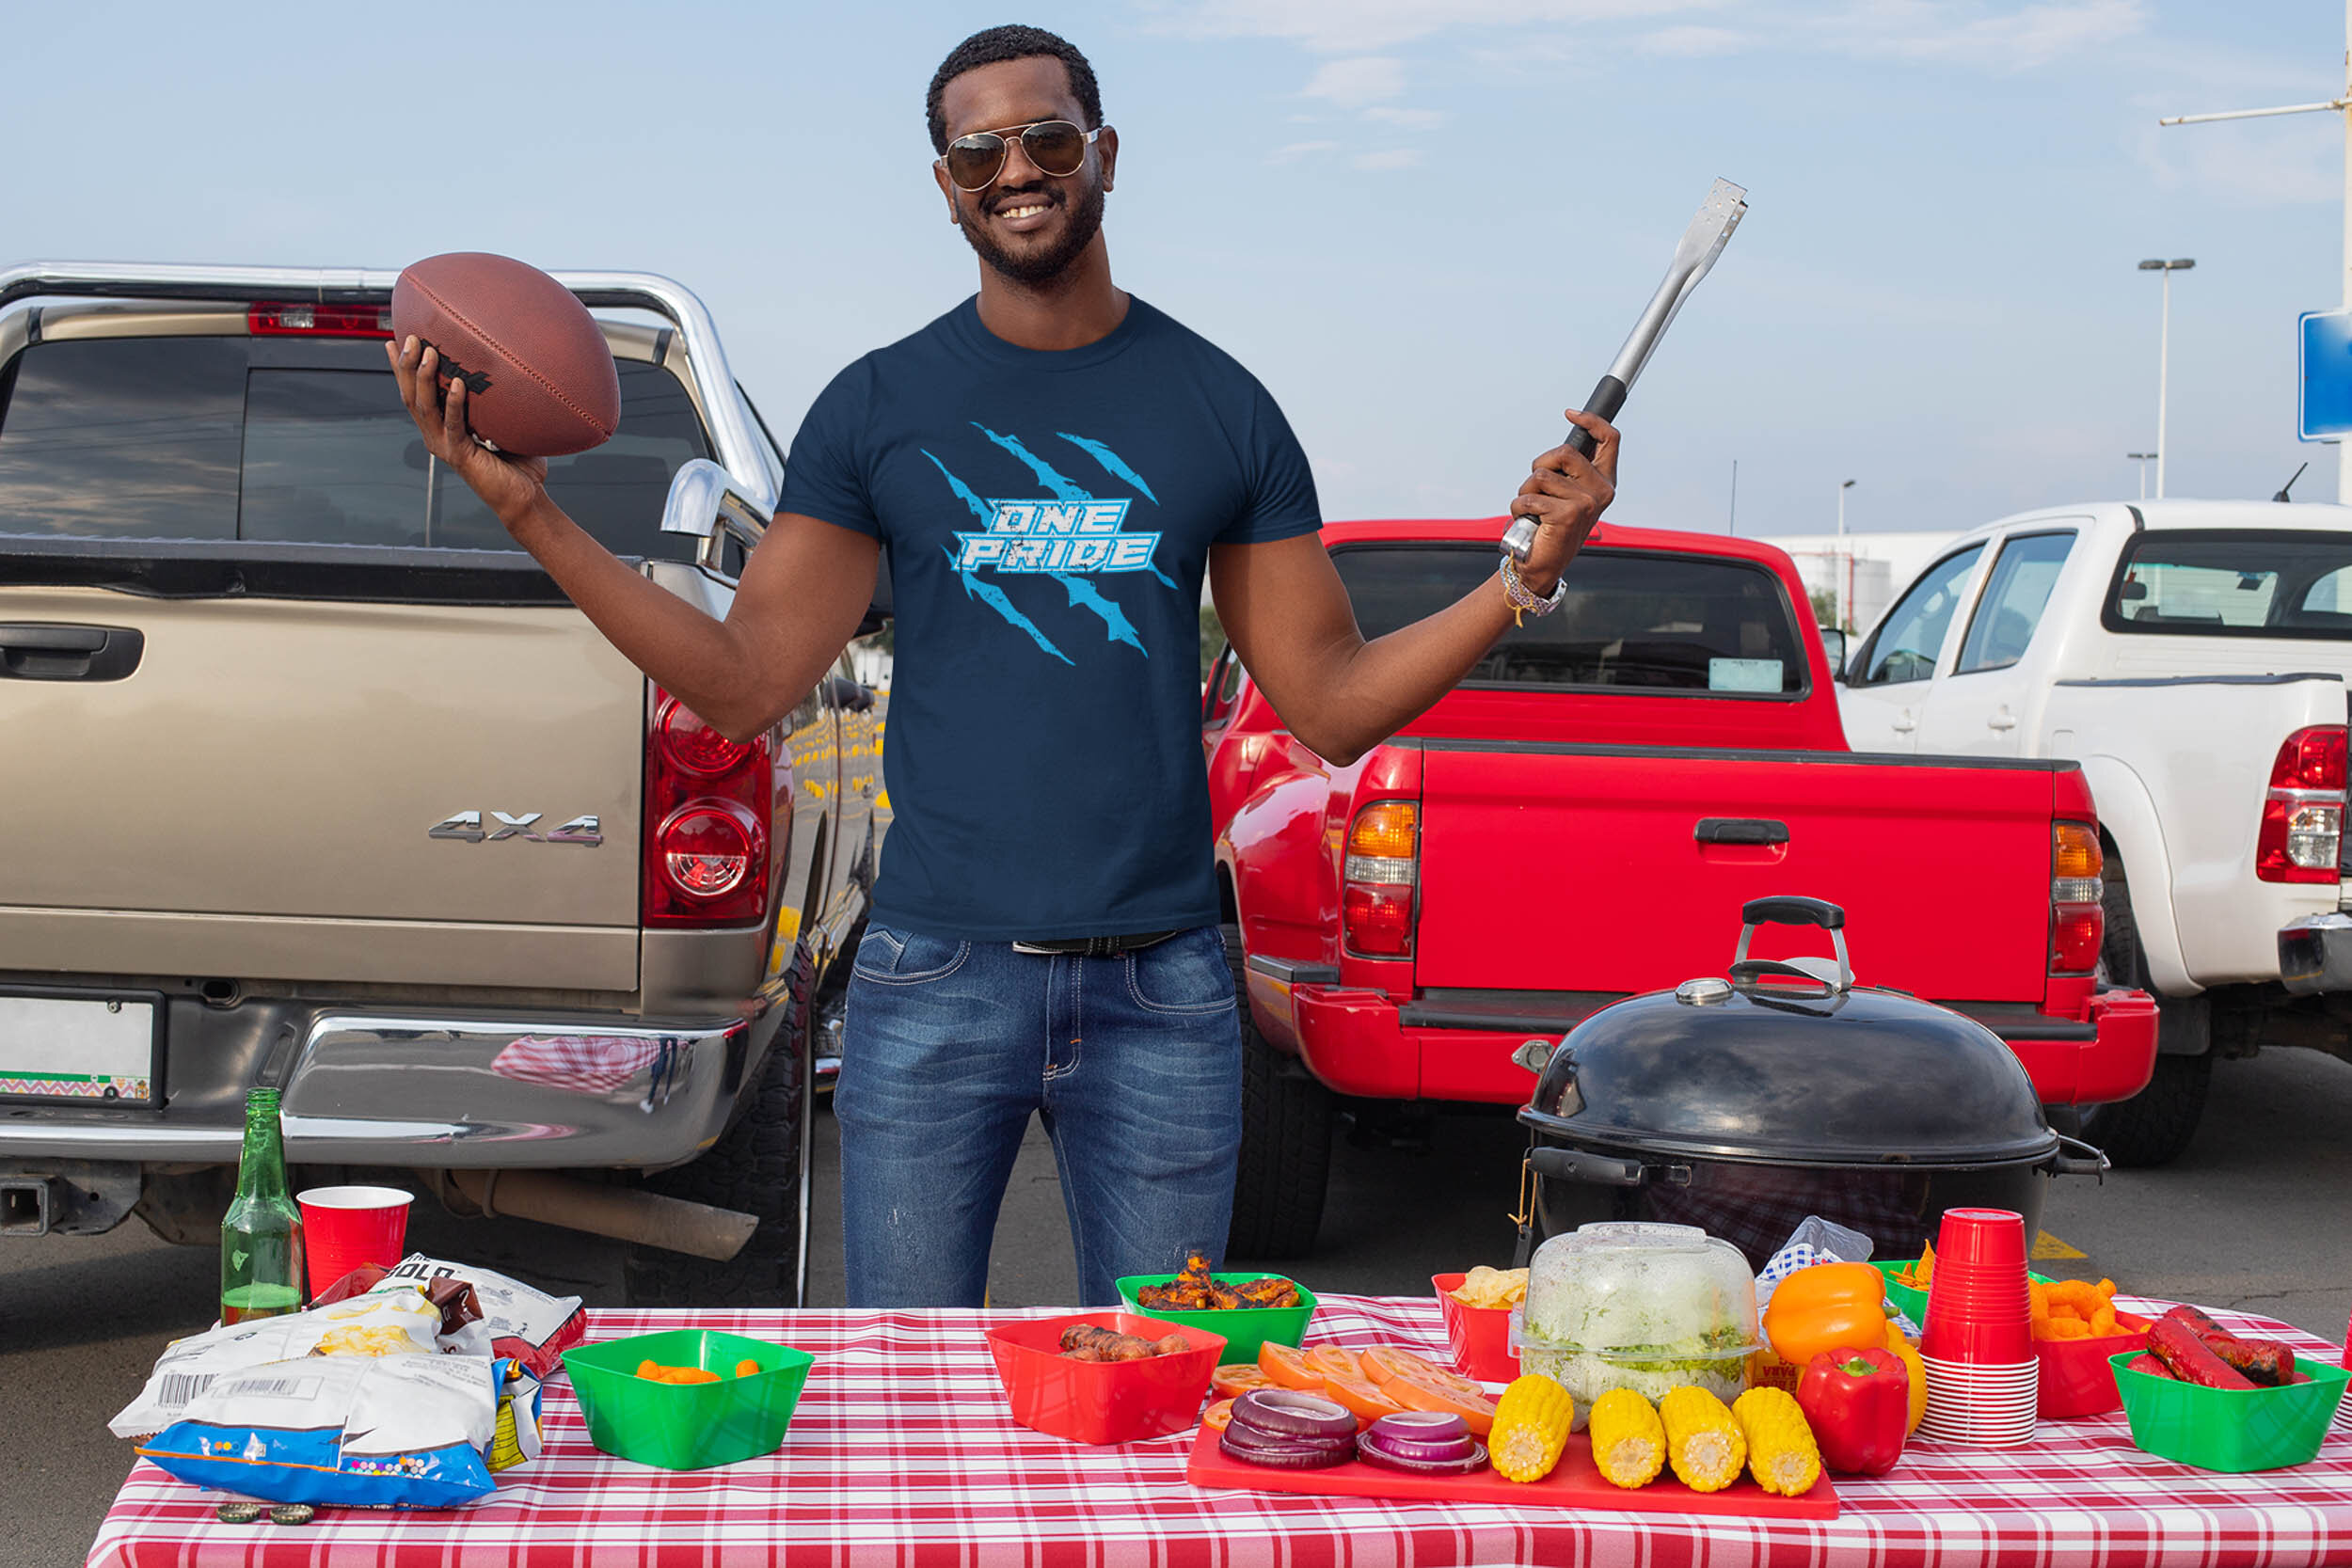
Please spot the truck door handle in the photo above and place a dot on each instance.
(49, 651)
(1740, 829)
(2002, 719)
(1904, 723)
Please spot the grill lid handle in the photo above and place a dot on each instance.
(1748, 974)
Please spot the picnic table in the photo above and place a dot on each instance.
(902, 1453)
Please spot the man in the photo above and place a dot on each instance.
(1051, 467)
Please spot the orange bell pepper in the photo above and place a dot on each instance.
(1818, 1308)
(1917, 1368)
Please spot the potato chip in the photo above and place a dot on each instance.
(1487, 1288)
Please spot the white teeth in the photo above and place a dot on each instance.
(1022, 211)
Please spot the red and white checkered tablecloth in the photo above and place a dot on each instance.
(902, 1454)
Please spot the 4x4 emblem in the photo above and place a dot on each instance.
(466, 825)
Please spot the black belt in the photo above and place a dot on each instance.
(1095, 947)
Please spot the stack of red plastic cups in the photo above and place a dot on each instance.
(1983, 1381)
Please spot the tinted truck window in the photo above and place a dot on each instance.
(293, 441)
(2234, 583)
(1661, 622)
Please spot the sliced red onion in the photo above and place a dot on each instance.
(1288, 1413)
(1395, 1443)
(1297, 1453)
(1373, 1451)
(1424, 1426)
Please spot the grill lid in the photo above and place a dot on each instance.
(1788, 1062)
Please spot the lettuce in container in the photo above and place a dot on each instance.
(1648, 1307)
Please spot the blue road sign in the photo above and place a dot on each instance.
(2324, 403)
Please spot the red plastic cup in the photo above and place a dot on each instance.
(1972, 1342)
(1980, 1237)
(348, 1228)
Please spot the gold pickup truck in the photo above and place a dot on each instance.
(309, 778)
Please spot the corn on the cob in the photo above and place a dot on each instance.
(1782, 1455)
(1703, 1442)
(1629, 1443)
(1531, 1428)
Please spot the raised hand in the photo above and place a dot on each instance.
(1565, 495)
(508, 484)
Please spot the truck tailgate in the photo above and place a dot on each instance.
(255, 799)
(1943, 867)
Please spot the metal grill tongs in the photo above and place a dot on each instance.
(1719, 215)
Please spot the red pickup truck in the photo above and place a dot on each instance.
(1582, 818)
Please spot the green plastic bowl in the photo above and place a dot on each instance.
(686, 1426)
(2232, 1430)
(1244, 1329)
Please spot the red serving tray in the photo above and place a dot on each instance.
(1574, 1482)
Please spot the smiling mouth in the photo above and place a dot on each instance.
(1022, 210)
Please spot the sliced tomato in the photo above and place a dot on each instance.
(1236, 1378)
(1384, 1362)
(1476, 1410)
(1332, 1361)
(1362, 1396)
(1287, 1367)
(1218, 1416)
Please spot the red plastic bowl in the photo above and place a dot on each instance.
(2077, 1378)
(1480, 1336)
(1103, 1402)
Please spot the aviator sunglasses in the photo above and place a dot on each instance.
(1055, 147)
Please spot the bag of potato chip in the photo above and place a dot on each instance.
(393, 1322)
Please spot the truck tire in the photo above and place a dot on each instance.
(760, 1165)
(1286, 1121)
(2154, 1126)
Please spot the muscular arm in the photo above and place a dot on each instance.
(802, 592)
(1289, 617)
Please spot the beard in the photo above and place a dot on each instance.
(1035, 269)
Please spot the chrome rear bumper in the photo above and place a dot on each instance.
(2315, 954)
(381, 1089)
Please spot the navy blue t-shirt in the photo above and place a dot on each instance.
(1047, 517)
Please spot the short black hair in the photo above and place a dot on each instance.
(995, 45)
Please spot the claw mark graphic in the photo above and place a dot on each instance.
(1064, 489)
(988, 593)
(1115, 621)
(1112, 463)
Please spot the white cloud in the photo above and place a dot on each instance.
(1353, 83)
(1333, 26)
(2001, 34)
(1692, 40)
(1405, 119)
(1298, 150)
(1394, 158)
(1964, 33)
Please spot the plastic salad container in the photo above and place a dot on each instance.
(1641, 1307)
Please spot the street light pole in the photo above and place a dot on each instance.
(1842, 588)
(2164, 349)
(2339, 105)
(2144, 459)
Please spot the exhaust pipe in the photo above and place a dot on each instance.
(624, 1213)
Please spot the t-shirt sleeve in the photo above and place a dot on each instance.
(1282, 499)
(825, 473)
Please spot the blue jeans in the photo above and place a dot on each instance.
(1134, 1062)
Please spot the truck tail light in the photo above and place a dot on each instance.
(714, 826)
(2078, 921)
(2302, 827)
(273, 319)
(1380, 878)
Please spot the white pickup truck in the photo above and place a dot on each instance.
(2192, 657)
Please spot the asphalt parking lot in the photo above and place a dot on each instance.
(2252, 1217)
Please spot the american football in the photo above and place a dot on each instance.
(539, 378)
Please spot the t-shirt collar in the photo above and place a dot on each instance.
(964, 322)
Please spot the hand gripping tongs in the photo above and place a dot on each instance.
(1719, 215)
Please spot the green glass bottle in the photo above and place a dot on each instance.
(260, 1237)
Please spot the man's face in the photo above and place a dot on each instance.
(1027, 224)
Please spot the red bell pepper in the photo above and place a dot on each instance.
(1858, 1402)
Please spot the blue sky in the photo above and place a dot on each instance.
(1425, 224)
